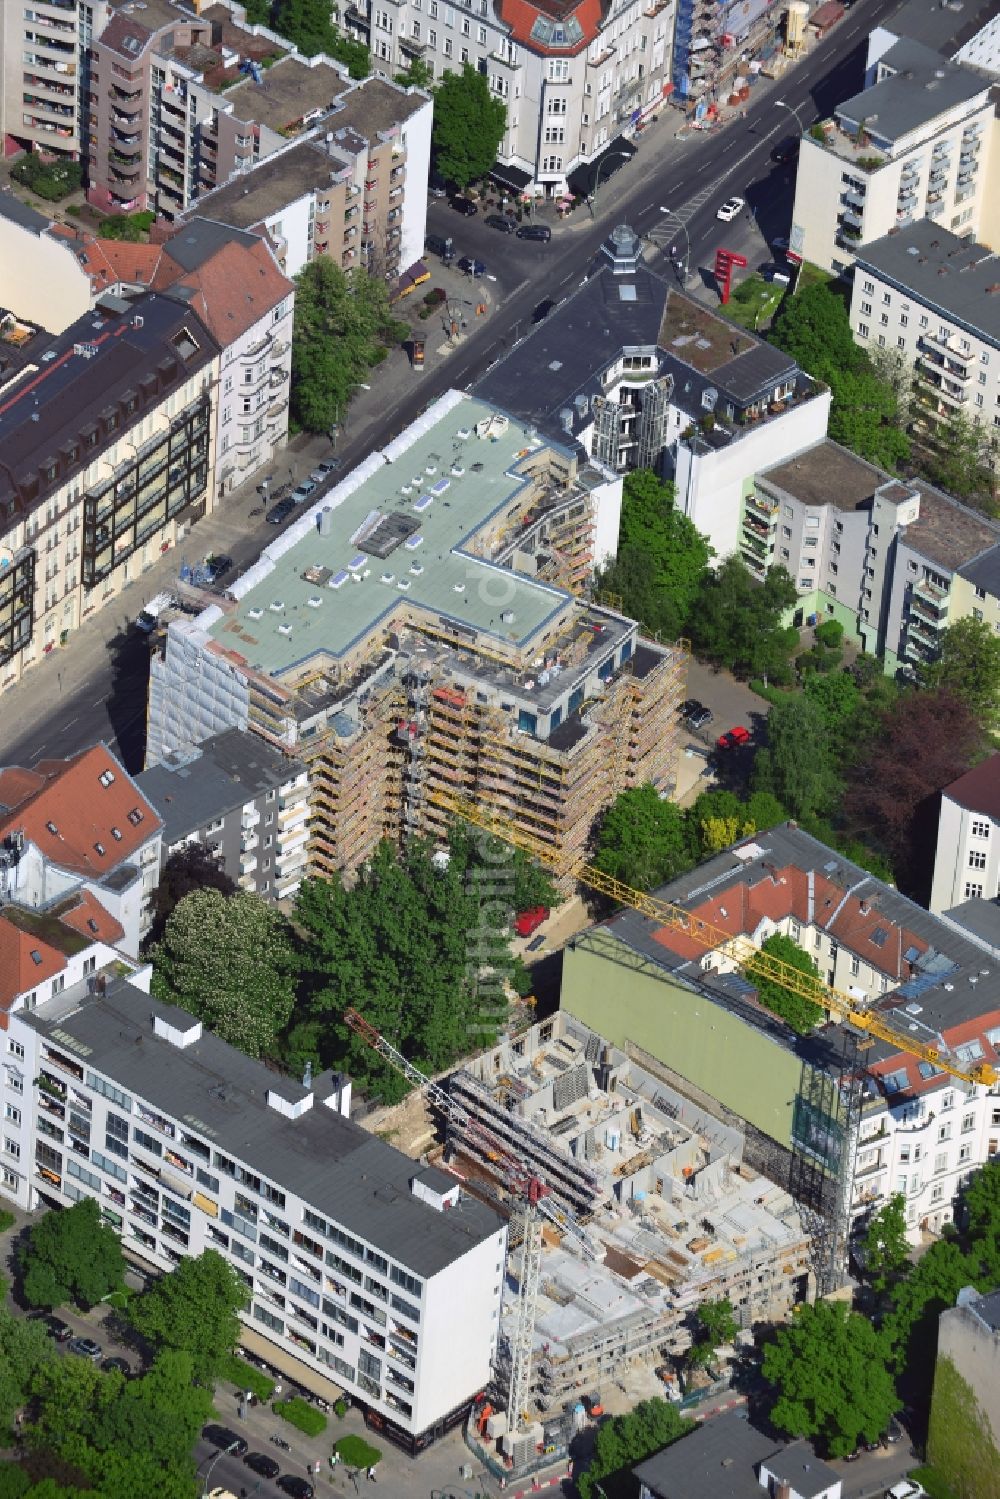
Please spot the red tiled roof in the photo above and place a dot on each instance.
(232, 290)
(958, 1035)
(90, 919)
(16, 783)
(93, 833)
(19, 971)
(521, 15)
(979, 789)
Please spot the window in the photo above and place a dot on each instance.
(448, 49)
(855, 964)
(968, 1123)
(558, 70)
(869, 286)
(979, 830)
(973, 892)
(977, 859)
(923, 322)
(147, 1142)
(866, 307)
(863, 330)
(11, 1113)
(903, 321)
(15, 1048)
(109, 1091)
(12, 1147)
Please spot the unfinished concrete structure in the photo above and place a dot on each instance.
(670, 1215)
(419, 635)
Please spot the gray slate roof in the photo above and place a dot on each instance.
(798, 1466)
(717, 1461)
(190, 789)
(338, 1168)
(939, 26)
(959, 280)
(981, 918)
(924, 86)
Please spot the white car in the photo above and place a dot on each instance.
(730, 209)
(907, 1488)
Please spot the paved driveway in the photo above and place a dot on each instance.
(731, 703)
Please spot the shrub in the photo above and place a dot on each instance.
(7, 1220)
(245, 1377)
(830, 633)
(51, 180)
(340, 1408)
(303, 1417)
(356, 1452)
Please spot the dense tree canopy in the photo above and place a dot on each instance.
(815, 328)
(829, 1373)
(884, 1248)
(643, 839)
(309, 24)
(193, 1311)
(801, 1012)
(662, 558)
(193, 867)
(968, 667)
(736, 622)
(623, 1441)
(71, 1256)
(960, 457)
(341, 320)
(469, 123)
(798, 764)
(715, 1325)
(228, 960)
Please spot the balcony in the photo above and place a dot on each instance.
(930, 594)
(250, 819)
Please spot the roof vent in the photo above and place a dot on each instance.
(284, 629)
(278, 606)
(459, 587)
(255, 613)
(314, 601)
(388, 578)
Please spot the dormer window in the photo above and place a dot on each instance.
(99, 849)
(116, 834)
(52, 828)
(107, 777)
(92, 924)
(135, 817)
(36, 957)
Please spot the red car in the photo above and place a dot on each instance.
(734, 738)
(529, 921)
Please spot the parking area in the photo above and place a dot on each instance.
(732, 705)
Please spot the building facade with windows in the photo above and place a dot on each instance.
(106, 460)
(894, 561)
(929, 298)
(365, 1271)
(919, 142)
(967, 862)
(45, 74)
(575, 79)
(80, 829)
(243, 800)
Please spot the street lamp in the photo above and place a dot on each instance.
(671, 214)
(355, 385)
(224, 1452)
(792, 109)
(611, 156)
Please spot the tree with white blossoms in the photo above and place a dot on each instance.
(229, 960)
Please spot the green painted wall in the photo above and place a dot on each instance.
(607, 986)
(825, 607)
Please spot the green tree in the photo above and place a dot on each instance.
(468, 126)
(798, 764)
(193, 1311)
(341, 320)
(228, 960)
(258, 12)
(884, 1248)
(24, 1348)
(962, 458)
(626, 1440)
(309, 24)
(800, 1012)
(662, 557)
(910, 1326)
(191, 867)
(838, 698)
(968, 666)
(643, 839)
(829, 1372)
(736, 622)
(417, 74)
(716, 1325)
(71, 1255)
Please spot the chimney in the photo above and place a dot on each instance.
(811, 896)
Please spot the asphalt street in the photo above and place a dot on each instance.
(99, 687)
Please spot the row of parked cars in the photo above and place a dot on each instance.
(697, 716)
(230, 1441)
(283, 509)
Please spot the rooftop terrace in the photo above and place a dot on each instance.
(396, 533)
(292, 90)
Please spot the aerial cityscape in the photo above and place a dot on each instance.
(500, 749)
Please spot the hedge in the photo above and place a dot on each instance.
(304, 1417)
(245, 1377)
(356, 1452)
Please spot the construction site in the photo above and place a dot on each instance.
(423, 634)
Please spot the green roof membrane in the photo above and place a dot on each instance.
(397, 528)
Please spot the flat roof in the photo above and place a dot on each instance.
(291, 89)
(189, 788)
(281, 178)
(427, 494)
(956, 277)
(980, 917)
(718, 1460)
(924, 86)
(942, 27)
(220, 1094)
(825, 474)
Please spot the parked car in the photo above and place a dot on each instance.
(58, 1329)
(730, 210)
(150, 613)
(437, 186)
(465, 206)
(733, 738)
(439, 244)
(786, 151)
(690, 705)
(499, 221)
(327, 466)
(217, 567)
(298, 1488)
(541, 232)
(896, 1431)
(471, 267)
(906, 1488)
(700, 717)
(224, 1439)
(529, 921)
(302, 491)
(543, 309)
(85, 1347)
(279, 512)
(259, 1462)
(117, 1365)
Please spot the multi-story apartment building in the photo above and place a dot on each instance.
(229, 277)
(45, 73)
(417, 635)
(106, 460)
(80, 832)
(714, 40)
(244, 800)
(913, 1128)
(355, 190)
(916, 142)
(895, 561)
(572, 77)
(365, 1272)
(967, 862)
(930, 298)
(668, 386)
